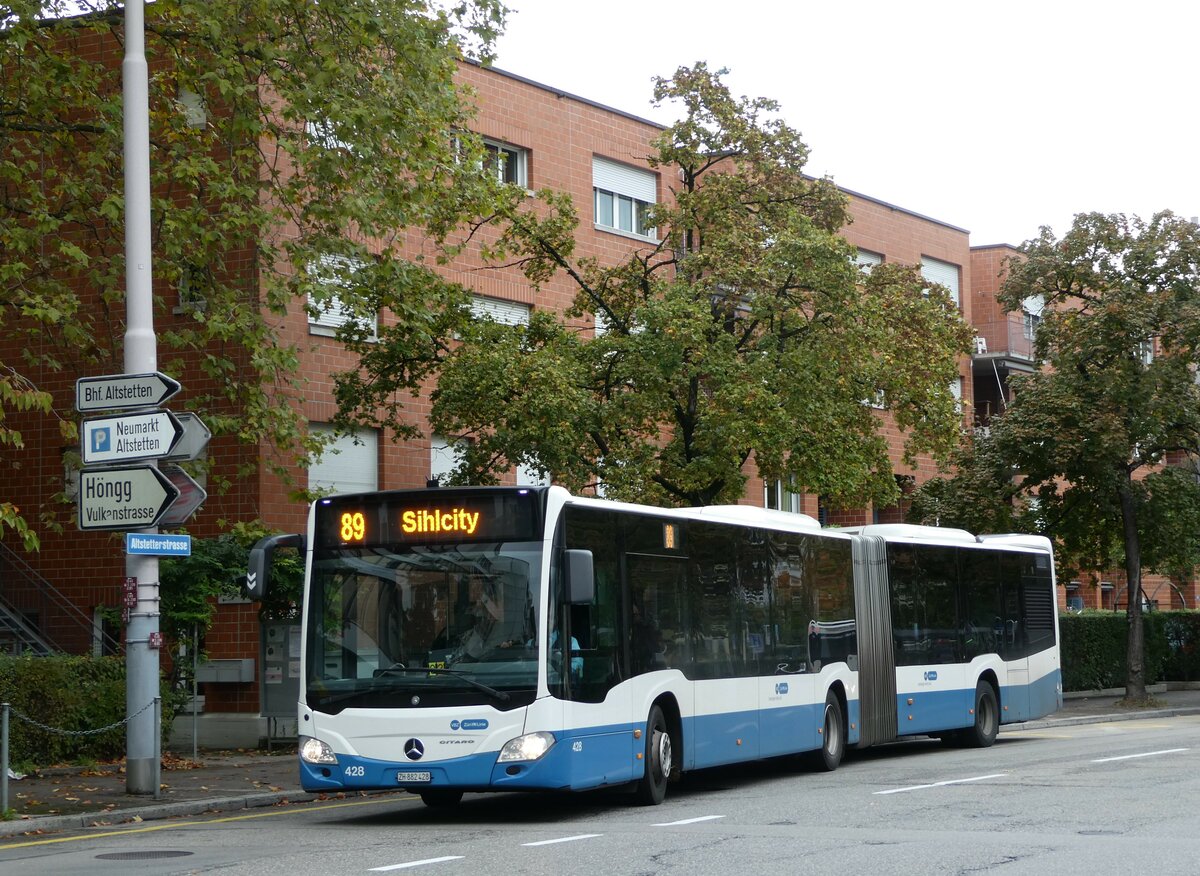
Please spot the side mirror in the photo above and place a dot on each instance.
(581, 577)
(258, 573)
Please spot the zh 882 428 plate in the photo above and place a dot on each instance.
(404, 778)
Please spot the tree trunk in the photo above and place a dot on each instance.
(1135, 664)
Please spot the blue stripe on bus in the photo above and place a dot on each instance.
(932, 711)
(608, 755)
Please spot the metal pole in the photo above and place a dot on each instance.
(141, 356)
(157, 747)
(3, 759)
(195, 687)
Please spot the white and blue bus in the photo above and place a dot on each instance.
(519, 638)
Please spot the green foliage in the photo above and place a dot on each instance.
(1098, 449)
(1094, 654)
(67, 693)
(1093, 650)
(745, 329)
(189, 586)
(1181, 629)
(281, 131)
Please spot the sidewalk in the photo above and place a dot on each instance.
(71, 797)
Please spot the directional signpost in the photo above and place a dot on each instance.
(133, 497)
(127, 437)
(194, 441)
(113, 392)
(191, 496)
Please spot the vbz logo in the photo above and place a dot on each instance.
(931, 675)
(781, 688)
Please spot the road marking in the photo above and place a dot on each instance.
(941, 784)
(408, 864)
(1143, 754)
(689, 821)
(565, 839)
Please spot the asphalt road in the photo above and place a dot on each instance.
(1090, 799)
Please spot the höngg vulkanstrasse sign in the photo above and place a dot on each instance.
(134, 497)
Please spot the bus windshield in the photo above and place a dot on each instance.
(423, 625)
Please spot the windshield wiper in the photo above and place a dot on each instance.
(457, 673)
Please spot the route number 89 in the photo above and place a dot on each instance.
(354, 526)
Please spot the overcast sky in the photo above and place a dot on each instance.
(997, 117)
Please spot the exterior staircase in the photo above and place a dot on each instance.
(36, 618)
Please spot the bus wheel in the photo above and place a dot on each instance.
(833, 736)
(660, 760)
(437, 798)
(987, 718)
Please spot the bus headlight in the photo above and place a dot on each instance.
(315, 751)
(531, 746)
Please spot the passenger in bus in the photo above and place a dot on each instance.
(489, 629)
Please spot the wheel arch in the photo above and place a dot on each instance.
(669, 705)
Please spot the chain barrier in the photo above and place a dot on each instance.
(16, 713)
(7, 711)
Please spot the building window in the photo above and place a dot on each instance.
(945, 273)
(444, 457)
(323, 134)
(195, 114)
(780, 496)
(623, 197)
(527, 476)
(498, 310)
(350, 464)
(1029, 325)
(508, 163)
(328, 316)
(866, 260)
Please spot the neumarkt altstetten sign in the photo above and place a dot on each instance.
(129, 437)
(116, 392)
(134, 497)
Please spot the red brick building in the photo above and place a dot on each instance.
(539, 137)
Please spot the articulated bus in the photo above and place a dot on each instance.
(520, 638)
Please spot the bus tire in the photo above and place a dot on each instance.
(987, 718)
(660, 760)
(833, 736)
(440, 798)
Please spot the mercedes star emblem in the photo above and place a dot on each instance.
(413, 749)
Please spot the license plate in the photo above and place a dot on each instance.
(405, 778)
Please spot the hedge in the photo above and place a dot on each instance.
(1094, 650)
(68, 693)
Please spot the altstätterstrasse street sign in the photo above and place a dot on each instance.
(133, 497)
(129, 437)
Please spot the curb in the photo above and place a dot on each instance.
(153, 812)
(1039, 724)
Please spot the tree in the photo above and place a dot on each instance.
(285, 134)
(745, 330)
(1100, 446)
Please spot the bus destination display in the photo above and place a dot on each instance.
(428, 517)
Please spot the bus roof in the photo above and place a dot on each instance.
(909, 531)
